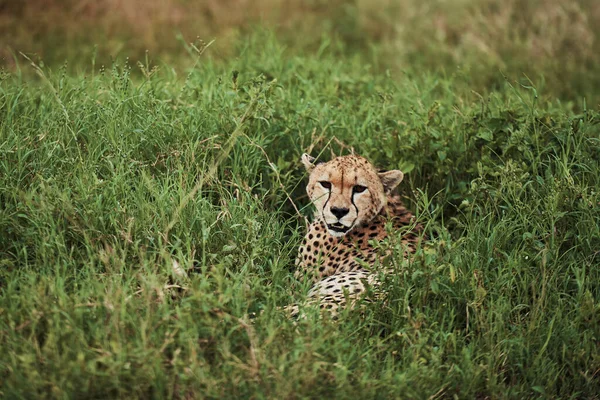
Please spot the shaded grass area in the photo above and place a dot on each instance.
(111, 187)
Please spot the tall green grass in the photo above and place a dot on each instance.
(144, 219)
(554, 43)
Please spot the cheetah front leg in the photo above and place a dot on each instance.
(336, 292)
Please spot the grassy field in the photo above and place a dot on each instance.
(146, 213)
(553, 43)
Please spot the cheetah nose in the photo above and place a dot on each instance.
(339, 212)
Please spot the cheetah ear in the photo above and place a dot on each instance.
(390, 179)
(308, 161)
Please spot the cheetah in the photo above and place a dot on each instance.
(354, 203)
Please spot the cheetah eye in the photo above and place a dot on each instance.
(325, 184)
(359, 188)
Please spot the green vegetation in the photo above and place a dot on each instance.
(554, 43)
(145, 218)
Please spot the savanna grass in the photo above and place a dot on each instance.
(144, 220)
(554, 43)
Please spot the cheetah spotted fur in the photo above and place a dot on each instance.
(354, 205)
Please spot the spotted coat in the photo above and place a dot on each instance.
(341, 265)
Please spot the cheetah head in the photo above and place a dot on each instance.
(348, 191)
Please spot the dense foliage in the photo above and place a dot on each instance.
(143, 220)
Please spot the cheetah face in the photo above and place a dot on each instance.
(348, 191)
